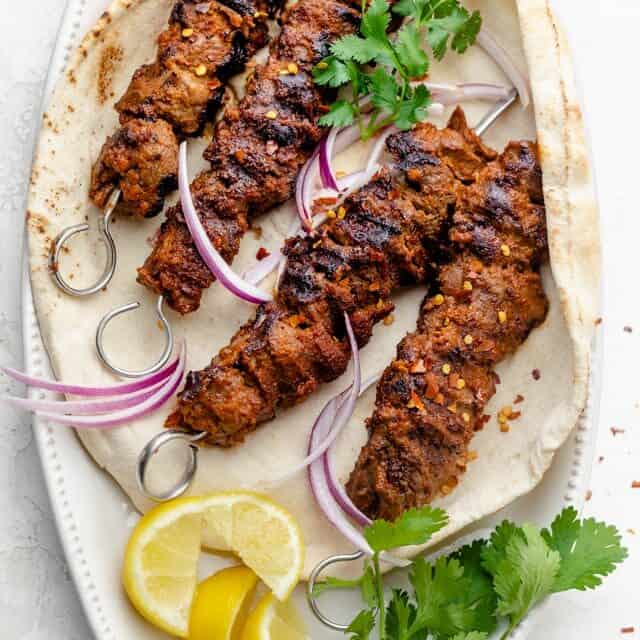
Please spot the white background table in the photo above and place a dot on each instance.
(37, 597)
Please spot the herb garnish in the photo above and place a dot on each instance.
(464, 595)
(442, 23)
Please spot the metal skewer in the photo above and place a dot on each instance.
(125, 373)
(192, 438)
(485, 123)
(106, 238)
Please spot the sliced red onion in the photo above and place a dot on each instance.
(125, 416)
(378, 149)
(262, 268)
(448, 94)
(339, 493)
(85, 407)
(304, 190)
(326, 158)
(209, 254)
(93, 392)
(321, 432)
(335, 486)
(488, 42)
(329, 506)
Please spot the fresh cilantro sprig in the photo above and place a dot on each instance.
(373, 65)
(464, 595)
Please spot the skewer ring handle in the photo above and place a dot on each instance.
(153, 447)
(126, 373)
(313, 579)
(65, 235)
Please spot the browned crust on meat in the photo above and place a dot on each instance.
(203, 45)
(387, 236)
(490, 297)
(257, 151)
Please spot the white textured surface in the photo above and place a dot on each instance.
(37, 599)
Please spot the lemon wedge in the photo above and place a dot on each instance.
(274, 620)
(161, 560)
(222, 604)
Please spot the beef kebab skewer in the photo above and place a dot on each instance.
(430, 400)
(168, 100)
(257, 151)
(442, 161)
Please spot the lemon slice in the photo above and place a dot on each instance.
(161, 563)
(161, 560)
(274, 620)
(221, 605)
(263, 534)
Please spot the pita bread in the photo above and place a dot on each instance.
(81, 115)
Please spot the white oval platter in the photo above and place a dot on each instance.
(94, 517)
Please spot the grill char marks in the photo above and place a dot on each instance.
(353, 264)
(172, 98)
(423, 421)
(257, 151)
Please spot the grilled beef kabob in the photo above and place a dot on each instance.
(387, 235)
(172, 98)
(430, 400)
(257, 151)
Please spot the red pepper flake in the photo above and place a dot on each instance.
(598, 321)
(615, 431)
(536, 374)
(415, 402)
(628, 329)
(589, 495)
(600, 459)
(518, 399)
(635, 484)
(432, 386)
(262, 253)
(627, 629)
(418, 367)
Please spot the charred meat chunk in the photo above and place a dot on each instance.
(378, 242)
(142, 156)
(430, 400)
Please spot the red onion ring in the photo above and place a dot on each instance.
(488, 42)
(117, 418)
(84, 407)
(448, 94)
(209, 254)
(93, 392)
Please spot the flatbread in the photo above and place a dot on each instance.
(81, 115)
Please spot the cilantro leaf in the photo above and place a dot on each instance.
(474, 635)
(466, 36)
(414, 527)
(362, 625)
(455, 594)
(368, 587)
(406, 8)
(588, 550)
(376, 20)
(352, 47)
(331, 72)
(479, 596)
(413, 109)
(341, 114)
(495, 551)
(452, 20)
(410, 52)
(525, 575)
(401, 614)
(384, 90)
